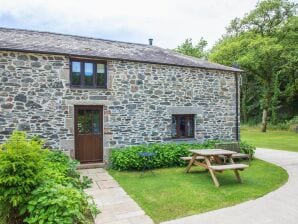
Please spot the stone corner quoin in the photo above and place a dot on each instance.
(138, 105)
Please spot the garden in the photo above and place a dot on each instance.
(169, 192)
(38, 185)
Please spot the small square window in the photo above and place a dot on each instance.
(89, 74)
(183, 126)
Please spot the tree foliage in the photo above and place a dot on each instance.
(265, 19)
(188, 48)
(265, 45)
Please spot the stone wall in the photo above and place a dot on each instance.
(138, 103)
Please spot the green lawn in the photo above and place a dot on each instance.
(273, 139)
(172, 193)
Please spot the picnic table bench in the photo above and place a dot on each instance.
(203, 158)
(233, 146)
(188, 158)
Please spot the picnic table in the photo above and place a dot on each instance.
(211, 160)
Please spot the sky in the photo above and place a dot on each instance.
(168, 22)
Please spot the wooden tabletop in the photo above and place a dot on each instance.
(211, 152)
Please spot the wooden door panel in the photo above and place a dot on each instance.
(88, 134)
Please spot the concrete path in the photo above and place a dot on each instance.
(115, 205)
(277, 207)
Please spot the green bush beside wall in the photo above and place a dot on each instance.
(167, 155)
(39, 185)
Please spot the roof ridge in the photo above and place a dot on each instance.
(73, 35)
(51, 42)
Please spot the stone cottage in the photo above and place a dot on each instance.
(88, 95)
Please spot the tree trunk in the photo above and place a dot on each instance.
(264, 119)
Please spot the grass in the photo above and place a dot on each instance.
(273, 139)
(171, 193)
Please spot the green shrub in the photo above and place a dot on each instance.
(63, 170)
(25, 172)
(64, 163)
(55, 203)
(247, 148)
(279, 126)
(167, 155)
(20, 164)
(287, 125)
(293, 124)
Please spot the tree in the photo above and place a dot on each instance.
(188, 48)
(265, 19)
(262, 44)
(288, 74)
(258, 55)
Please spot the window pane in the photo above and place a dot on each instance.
(182, 126)
(88, 121)
(81, 121)
(96, 127)
(85, 121)
(190, 126)
(76, 73)
(174, 130)
(181, 123)
(88, 76)
(100, 75)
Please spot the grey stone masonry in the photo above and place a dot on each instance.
(35, 96)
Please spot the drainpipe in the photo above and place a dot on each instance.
(235, 65)
(237, 106)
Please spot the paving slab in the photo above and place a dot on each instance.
(277, 207)
(116, 206)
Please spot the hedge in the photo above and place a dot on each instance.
(167, 155)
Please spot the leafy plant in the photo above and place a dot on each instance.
(64, 170)
(20, 164)
(247, 148)
(293, 124)
(55, 203)
(40, 186)
(167, 155)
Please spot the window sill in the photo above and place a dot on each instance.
(88, 88)
(182, 140)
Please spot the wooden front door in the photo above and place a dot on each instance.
(89, 134)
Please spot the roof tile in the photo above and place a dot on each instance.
(47, 42)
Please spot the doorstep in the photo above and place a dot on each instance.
(90, 165)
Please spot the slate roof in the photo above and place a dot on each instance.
(54, 43)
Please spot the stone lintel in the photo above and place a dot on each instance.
(86, 102)
(184, 110)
